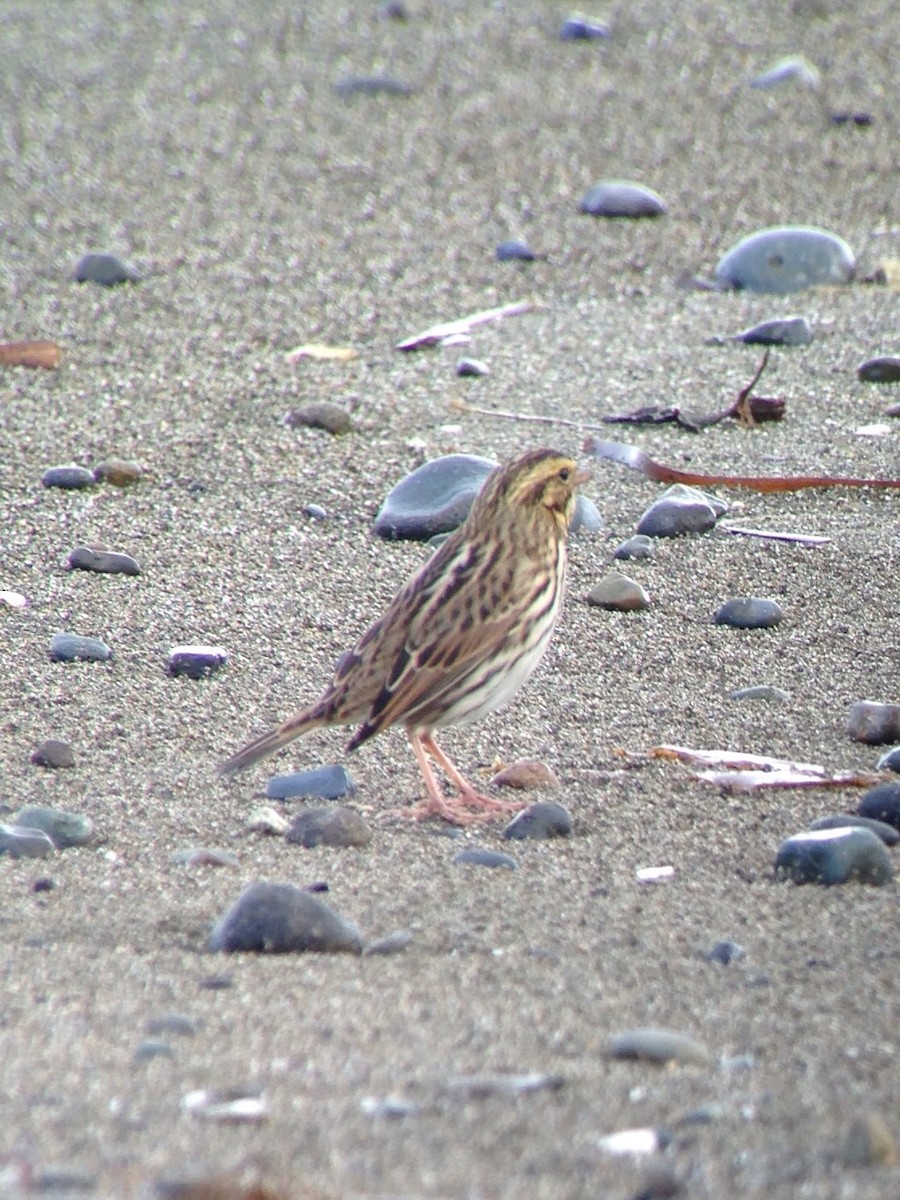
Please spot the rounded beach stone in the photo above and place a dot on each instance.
(580, 29)
(638, 546)
(72, 647)
(870, 1143)
(435, 498)
(760, 691)
(24, 843)
(68, 478)
(104, 562)
(882, 803)
(325, 783)
(874, 722)
(65, 829)
(621, 198)
(391, 943)
(54, 754)
(328, 825)
(618, 593)
(659, 1046)
(119, 472)
(885, 369)
(888, 833)
(203, 856)
(834, 856)
(725, 953)
(104, 269)
(477, 856)
(279, 918)
(526, 773)
(540, 821)
(783, 331)
(473, 367)
(890, 760)
(514, 251)
(196, 662)
(680, 510)
(586, 518)
(320, 414)
(749, 612)
(786, 259)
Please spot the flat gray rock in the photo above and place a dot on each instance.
(834, 856)
(786, 259)
(279, 918)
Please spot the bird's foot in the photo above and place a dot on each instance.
(472, 808)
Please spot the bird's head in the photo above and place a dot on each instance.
(542, 481)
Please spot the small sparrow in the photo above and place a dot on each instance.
(461, 636)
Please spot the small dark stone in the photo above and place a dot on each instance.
(320, 414)
(170, 1023)
(785, 331)
(196, 662)
(885, 369)
(72, 647)
(882, 803)
(541, 820)
(394, 10)
(62, 1180)
(315, 512)
(888, 833)
(472, 367)
(680, 510)
(581, 29)
(724, 953)
(889, 761)
(760, 691)
(638, 546)
(43, 884)
(152, 1048)
(104, 269)
(53, 754)
(324, 783)
(874, 723)
(68, 478)
(330, 825)
(104, 562)
(659, 1046)
(834, 856)
(749, 612)
(217, 983)
(619, 198)
(514, 251)
(862, 119)
(372, 85)
(279, 918)
(476, 856)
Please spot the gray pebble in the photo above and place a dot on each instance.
(874, 723)
(794, 70)
(541, 820)
(785, 331)
(749, 612)
(870, 1143)
(65, 829)
(882, 803)
(203, 856)
(24, 843)
(885, 369)
(435, 498)
(279, 918)
(659, 1046)
(320, 414)
(104, 269)
(392, 943)
(761, 691)
(119, 472)
(72, 647)
(514, 251)
(151, 1048)
(175, 1023)
(196, 662)
(580, 29)
(681, 510)
(329, 825)
(372, 85)
(618, 593)
(53, 754)
(315, 512)
(725, 953)
(620, 198)
(68, 478)
(586, 518)
(472, 367)
(104, 562)
(638, 546)
(888, 833)
(477, 856)
(325, 783)
(786, 259)
(834, 856)
(890, 760)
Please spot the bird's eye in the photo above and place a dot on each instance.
(564, 474)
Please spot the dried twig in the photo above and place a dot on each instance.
(463, 325)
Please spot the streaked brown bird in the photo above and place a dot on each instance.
(461, 636)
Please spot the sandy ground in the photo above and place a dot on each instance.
(205, 143)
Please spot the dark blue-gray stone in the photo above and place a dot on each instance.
(279, 918)
(435, 498)
(786, 259)
(890, 760)
(882, 803)
(834, 856)
(65, 829)
(781, 331)
(541, 820)
(874, 722)
(638, 546)
(72, 647)
(514, 251)
(325, 783)
(621, 198)
(476, 856)
(372, 85)
(104, 562)
(54, 754)
(329, 825)
(68, 478)
(681, 510)
(760, 691)
(749, 612)
(196, 662)
(725, 953)
(885, 369)
(888, 833)
(472, 368)
(104, 269)
(581, 29)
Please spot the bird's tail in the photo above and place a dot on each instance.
(262, 747)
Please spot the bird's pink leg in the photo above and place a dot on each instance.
(437, 803)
